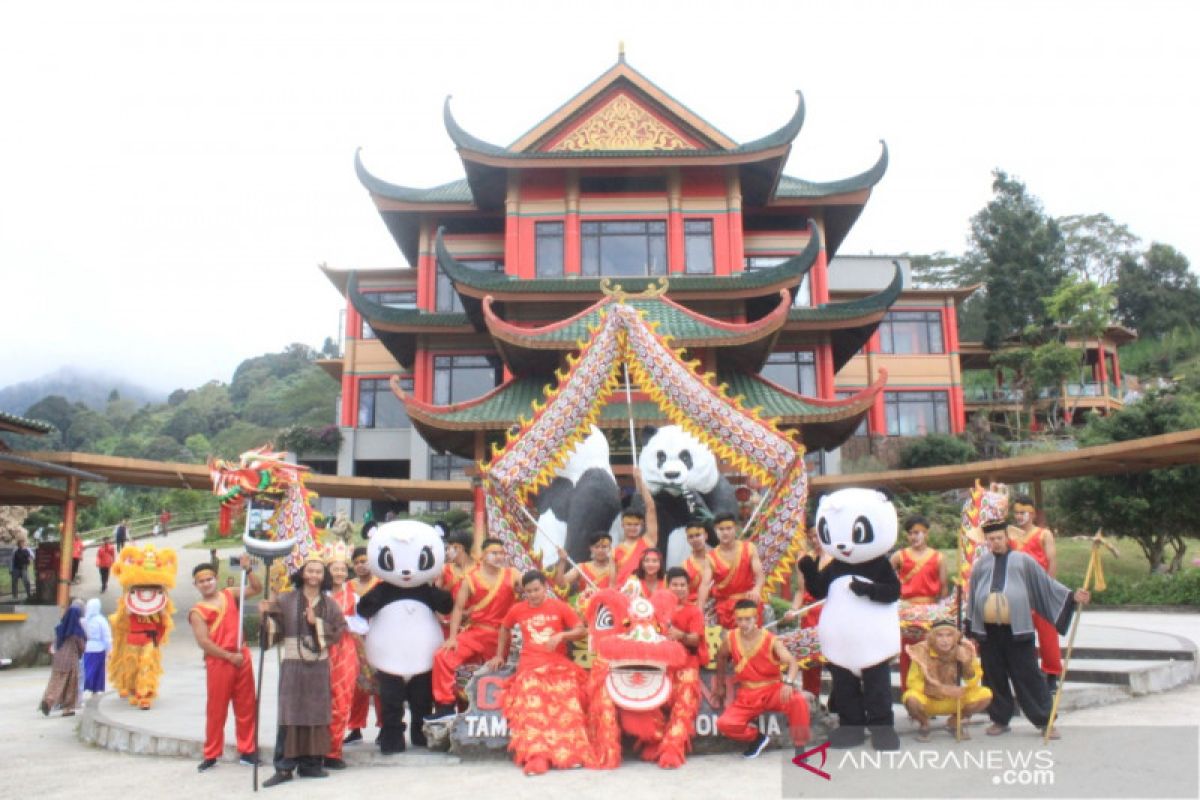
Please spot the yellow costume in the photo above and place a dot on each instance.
(931, 672)
(142, 621)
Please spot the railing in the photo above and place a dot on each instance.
(985, 394)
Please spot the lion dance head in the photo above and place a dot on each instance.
(640, 683)
(142, 621)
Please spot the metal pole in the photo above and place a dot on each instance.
(538, 529)
(262, 653)
(629, 405)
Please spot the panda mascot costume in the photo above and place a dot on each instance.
(583, 498)
(682, 476)
(860, 623)
(402, 631)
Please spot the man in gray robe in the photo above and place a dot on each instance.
(1006, 587)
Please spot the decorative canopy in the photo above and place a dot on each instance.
(751, 444)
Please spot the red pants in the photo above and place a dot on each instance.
(1048, 646)
(343, 679)
(748, 704)
(359, 709)
(474, 644)
(227, 683)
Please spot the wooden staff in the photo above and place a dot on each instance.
(1095, 568)
(629, 405)
(799, 612)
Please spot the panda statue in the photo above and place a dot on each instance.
(402, 631)
(859, 629)
(583, 498)
(682, 476)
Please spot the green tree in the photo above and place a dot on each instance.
(935, 450)
(1094, 246)
(1017, 252)
(1157, 292)
(1156, 508)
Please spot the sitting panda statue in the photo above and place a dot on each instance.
(859, 629)
(402, 631)
(583, 498)
(682, 476)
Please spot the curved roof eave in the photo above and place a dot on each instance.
(469, 144)
(374, 312)
(458, 191)
(852, 311)
(799, 188)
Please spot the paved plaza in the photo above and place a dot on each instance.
(45, 757)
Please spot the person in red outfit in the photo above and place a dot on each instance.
(214, 622)
(599, 571)
(360, 704)
(810, 677)
(106, 554)
(544, 700)
(343, 654)
(737, 571)
(757, 657)
(1038, 543)
(76, 557)
(923, 579)
(458, 561)
(696, 565)
(639, 528)
(687, 623)
(483, 599)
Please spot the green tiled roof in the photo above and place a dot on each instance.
(35, 426)
(465, 141)
(787, 273)
(858, 307)
(373, 311)
(800, 188)
(454, 192)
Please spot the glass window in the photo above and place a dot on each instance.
(916, 413)
(378, 405)
(862, 428)
(391, 300)
(796, 371)
(548, 248)
(446, 468)
(698, 245)
(911, 332)
(803, 295)
(625, 249)
(814, 462)
(446, 298)
(459, 378)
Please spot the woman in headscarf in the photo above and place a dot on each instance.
(67, 650)
(99, 643)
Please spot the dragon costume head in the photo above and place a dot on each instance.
(258, 472)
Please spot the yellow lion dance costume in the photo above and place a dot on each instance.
(142, 621)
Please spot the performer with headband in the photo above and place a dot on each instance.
(696, 565)
(227, 663)
(1038, 543)
(458, 561)
(757, 657)
(600, 571)
(737, 571)
(484, 598)
(923, 579)
(640, 529)
(307, 622)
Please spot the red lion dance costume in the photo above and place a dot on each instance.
(640, 683)
(142, 621)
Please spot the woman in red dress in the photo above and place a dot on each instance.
(343, 655)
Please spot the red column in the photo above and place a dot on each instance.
(825, 377)
(1103, 367)
(512, 239)
(676, 261)
(67, 544)
(572, 251)
(1116, 366)
(819, 279)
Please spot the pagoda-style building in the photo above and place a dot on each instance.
(622, 185)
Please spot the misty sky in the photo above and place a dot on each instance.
(171, 174)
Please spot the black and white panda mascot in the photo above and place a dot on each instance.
(860, 623)
(402, 631)
(682, 476)
(583, 498)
